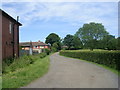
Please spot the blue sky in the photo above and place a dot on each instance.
(39, 19)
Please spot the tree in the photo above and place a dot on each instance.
(68, 41)
(52, 38)
(77, 43)
(91, 33)
(118, 43)
(108, 42)
(112, 45)
(72, 42)
(55, 47)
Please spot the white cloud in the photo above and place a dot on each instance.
(73, 13)
(60, 0)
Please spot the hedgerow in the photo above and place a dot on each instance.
(108, 58)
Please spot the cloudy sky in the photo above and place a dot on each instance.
(39, 19)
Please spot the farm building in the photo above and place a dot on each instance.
(9, 36)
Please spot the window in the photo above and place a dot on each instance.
(41, 46)
(10, 27)
(35, 46)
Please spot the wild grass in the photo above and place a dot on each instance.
(20, 62)
(0, 82)
(23, 76)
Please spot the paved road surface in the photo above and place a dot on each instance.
(72, 73)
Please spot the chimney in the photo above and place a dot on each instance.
(39, 41)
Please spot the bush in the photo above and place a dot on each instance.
(8, 61)
(53, 49)
(21, 62)
(108, 58)
(42, 55)
(24, 76)
(47, 51)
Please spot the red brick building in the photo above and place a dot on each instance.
(10, 36)
(36, 46)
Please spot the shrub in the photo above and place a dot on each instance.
(47, 51)
(55, 47)
(23, 77)
(8, 61)
(21, 62)
(108, 58)
(4, 66)
(42, 55)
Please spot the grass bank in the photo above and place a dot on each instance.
(0, 82)
(103, 58)
(23, 76)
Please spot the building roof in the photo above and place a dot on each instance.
(11, 18)
(33, 44)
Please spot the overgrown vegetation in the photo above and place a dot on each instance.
(47, 51)
(12, 65)
(108, 58)
(24, 69)
(0, 82)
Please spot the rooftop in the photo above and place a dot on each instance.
(8, 16)
(39, 43)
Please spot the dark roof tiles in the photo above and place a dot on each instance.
(33, 43)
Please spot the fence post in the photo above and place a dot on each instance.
(30, 51)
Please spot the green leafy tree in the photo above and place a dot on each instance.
(52, 38)
(68, 41)
(108, 42)
(91, 33)
(112, 44)
(72, 42)
(118, 43)
(55, 47)
(77, 44)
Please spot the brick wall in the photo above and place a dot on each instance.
(7, 38)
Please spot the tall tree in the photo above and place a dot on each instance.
(77, 44)
(55, 47)
(90, 33)
(72, 42)
(68, 41)
(118, 43)
(108, 42)
(52, 38)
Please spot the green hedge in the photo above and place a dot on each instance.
(108, 58)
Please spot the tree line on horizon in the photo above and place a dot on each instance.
(90, 36)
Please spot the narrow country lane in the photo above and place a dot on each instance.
(72, 73)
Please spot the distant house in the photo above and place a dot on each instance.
(10, 36)
(36, 46)
(64, 47)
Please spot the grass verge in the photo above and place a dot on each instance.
(0, 82)
(24, 76)
(103, 66)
